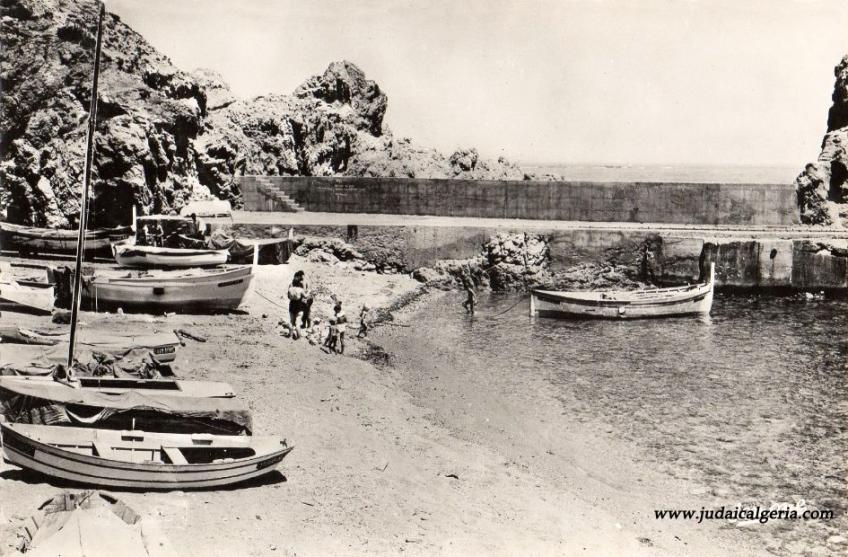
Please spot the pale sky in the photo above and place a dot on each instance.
(640, 82)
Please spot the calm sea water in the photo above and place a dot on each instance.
(727, 174)
(751, 402)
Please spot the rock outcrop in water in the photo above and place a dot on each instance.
(165, 136)
(823, 185)
(520, 262)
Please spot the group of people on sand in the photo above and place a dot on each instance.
(330, 338)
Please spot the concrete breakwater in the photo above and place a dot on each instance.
(681, 203)
(515, 258)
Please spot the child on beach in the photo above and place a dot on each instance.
(341, 320)
(313, 333)
(287, 330)
(332, 336)
(363, 325)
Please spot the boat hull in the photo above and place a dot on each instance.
(137, 460)
(27, 299)
(117, 403)
(623, 305)
(150, 256)
(220, 291)
(29, 239)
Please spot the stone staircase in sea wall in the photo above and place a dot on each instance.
(270, 195)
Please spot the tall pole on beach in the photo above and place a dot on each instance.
(83, 219)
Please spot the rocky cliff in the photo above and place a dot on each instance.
(823, 185)
(165, 136)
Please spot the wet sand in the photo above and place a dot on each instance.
(377, 448)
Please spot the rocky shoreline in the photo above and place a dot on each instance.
(167, 136)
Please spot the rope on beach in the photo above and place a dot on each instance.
(258, 293)
(507, 310)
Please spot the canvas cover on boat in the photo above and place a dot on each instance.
(26, 352)
(91, 524)
(272, 251)
(45, 402)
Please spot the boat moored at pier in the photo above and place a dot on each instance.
(620, 304)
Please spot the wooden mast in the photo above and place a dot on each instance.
(83, 219)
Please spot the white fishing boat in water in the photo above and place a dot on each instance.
(620, 304)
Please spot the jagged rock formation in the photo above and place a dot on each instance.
(519, 262)
(165, 136)
(823, 185)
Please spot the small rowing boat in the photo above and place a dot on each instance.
(28, 239)
(138, 459)
(152, 256)
(618, 304)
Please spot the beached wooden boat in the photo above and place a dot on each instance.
(29, 239)
(26, 297)
(209, 290)
(117, 403)
(151, 256)
(612, 304)
(139, 459)
(28, 352)
(50, 389)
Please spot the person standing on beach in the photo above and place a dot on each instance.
(158, 235)
(143, 236)
(308, 298)
(296, 304)
(471, 299)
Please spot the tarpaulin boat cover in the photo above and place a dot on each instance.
(91, 524)
(272, 251)
(112, 355)
(45, 402)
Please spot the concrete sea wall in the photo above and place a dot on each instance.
(669, 257)
(677, 203)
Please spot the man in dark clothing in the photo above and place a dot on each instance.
(471, 299)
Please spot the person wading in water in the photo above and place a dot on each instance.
(471, 299)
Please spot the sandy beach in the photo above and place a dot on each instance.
(387, 461)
